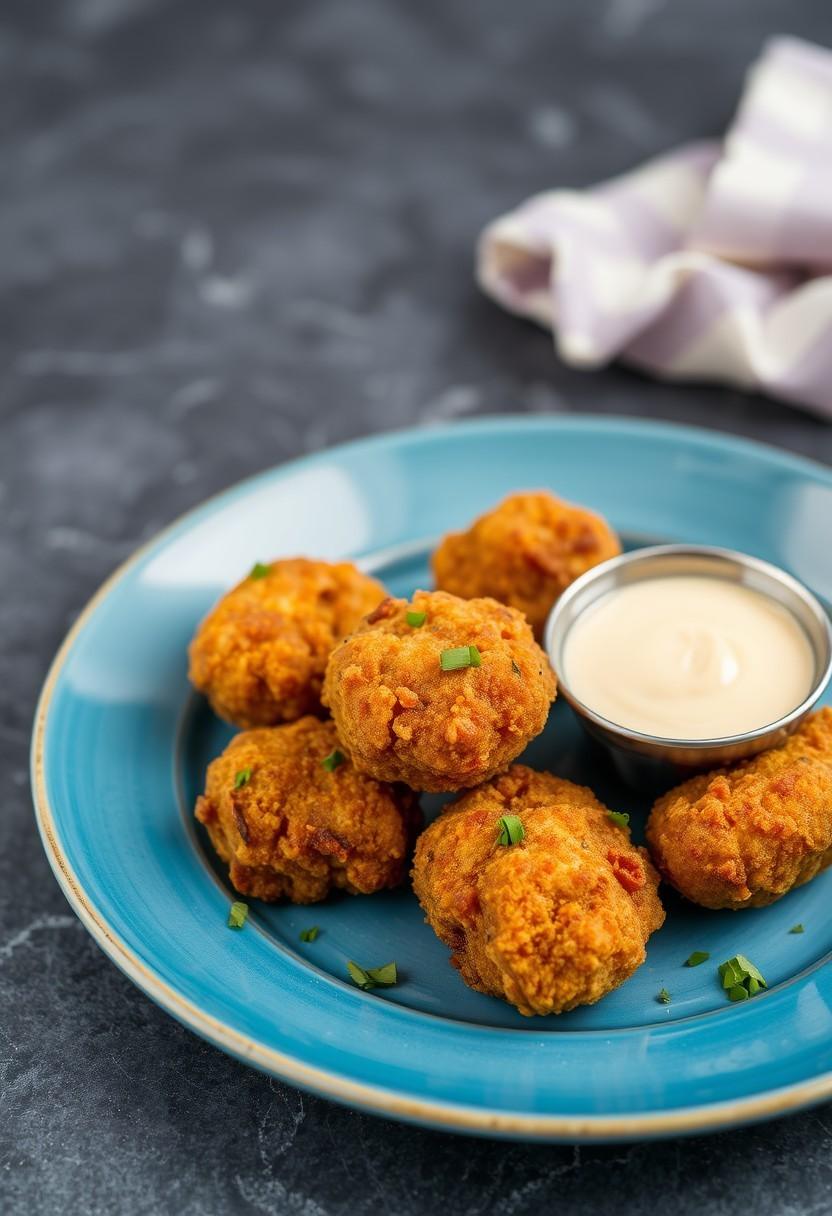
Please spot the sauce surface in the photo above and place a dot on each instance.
(688, 657)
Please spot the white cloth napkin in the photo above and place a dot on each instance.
(711, 263)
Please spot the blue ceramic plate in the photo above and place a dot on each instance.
(121, 746)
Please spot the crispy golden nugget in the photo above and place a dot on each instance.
(291, 829)
(524, 553)
(403, 718)
(555, 921)
(744, 836)
(260, 654)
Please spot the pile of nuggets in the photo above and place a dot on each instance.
(352, 702)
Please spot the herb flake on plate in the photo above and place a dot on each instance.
(740, 978)
(237, 914)
(697, 958)
(366, 978)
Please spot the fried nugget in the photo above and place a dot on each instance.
(403, 718)
(554, 921)
(524, 553)
(260, 654)
(289, 828)
(743, 837)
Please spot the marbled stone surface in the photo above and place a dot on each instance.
(232, 233)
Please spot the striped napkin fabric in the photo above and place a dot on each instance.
(711, 263)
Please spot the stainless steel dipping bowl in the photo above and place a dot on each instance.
(648, 761)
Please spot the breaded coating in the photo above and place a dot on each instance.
(555, 921)
(742, 837)
(403, 718)
(290, 829)
(260, 654)
(524, 553)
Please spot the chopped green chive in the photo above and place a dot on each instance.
(237, 915)
(619, 818)
(331, 762)
(309, 935)
(515, 668)
(698, 957)
(372, 977)
(740, 978)
(458, 657)
(664, 997)
(511, 830)
(259, 570)
(416, 619)
(797, 929)
(242, 777)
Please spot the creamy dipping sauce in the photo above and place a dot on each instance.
(688, 657)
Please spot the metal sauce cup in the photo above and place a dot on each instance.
(648, 761)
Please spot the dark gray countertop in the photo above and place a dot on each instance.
(232, 233)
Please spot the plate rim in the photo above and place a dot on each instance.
(324, 1082)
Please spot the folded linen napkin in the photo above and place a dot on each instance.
(711, 263)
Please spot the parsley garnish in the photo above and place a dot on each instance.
(698, 957)
(740, 978)
(237, 915)
(372, 977)
(258, 570)
(619, 818)
(309, 935)
(664, 997)
(515, 668)
(458, 657)
(797, 929)
(242, 778)
(511, 830)
(416, 619)
(331, 762)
